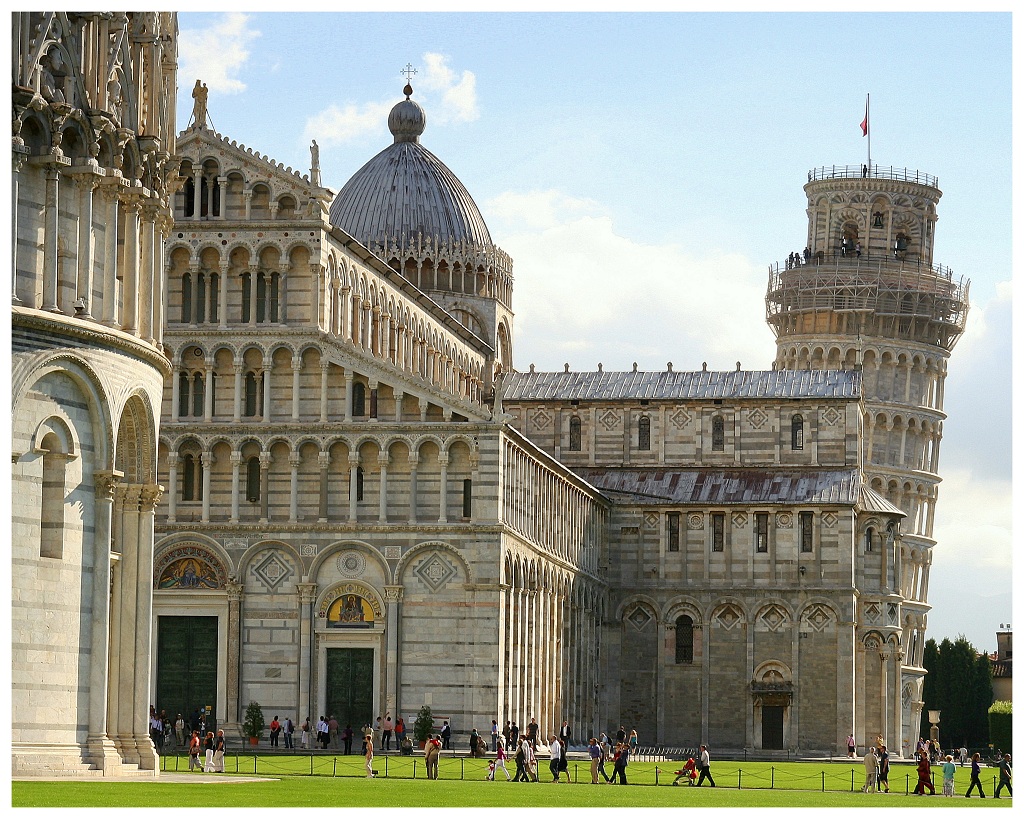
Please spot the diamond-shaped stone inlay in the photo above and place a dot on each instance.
(756, 417)
(727, 617)
(639, 618)
(829, 519)
(831, 416)
(871, 612)
(774, 618)
(435, 572)
(680, 418)
(651, 520)
(351, 564)
(272, 571)
(541, 419)
(739, 519)
(894, 614)
(609, 419)
(818, 618)
(695, 521)
(784, 520)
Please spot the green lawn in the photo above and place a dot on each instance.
(787, 784)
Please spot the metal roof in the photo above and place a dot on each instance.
(871, 501)
(839, 487)
(598, 386)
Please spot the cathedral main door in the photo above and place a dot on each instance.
(772, 727)
(349, 694)
(186, 666)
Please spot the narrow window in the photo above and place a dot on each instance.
(806, 531)
(188, 478)
(214, 297)
(718, 434)
(358, 399)
(251, 394)
(673, 531)
(644, 433)
(252, 480)
(684, 640)
(797, 432)
(761, 531)
(190, 196)
(717, 531)
(186, 298)
(51, 510)
(184, 390)
(204, 196)
(275, 295)
(869, 540)
(246, 297)
(359, 483)
(200, 314)
(198, 394)
(467, 498)
(261, 297)
(575, 434)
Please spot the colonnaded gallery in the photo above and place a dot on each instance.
(270, 444)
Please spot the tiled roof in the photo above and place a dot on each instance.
(598, 386)
(871, 501)
(840, 487)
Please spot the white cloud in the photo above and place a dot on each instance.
(336, 124)
(216, 53)
(975, 527)
(458, 93)
(585, 294)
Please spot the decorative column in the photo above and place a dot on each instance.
(247, 199)
(325, 368)
(233, 707)
(294, 460)
(236, 468)
(148, 500)
(324, 461)
(267, 369)
(414, 462)
(253, 291)
(87, 185)
(307, 597)
(175, 390)
(442, 459)
(101, 750)
(221, 182)
(382, 462)
(207, 460)
(130, 289)
(110, 198)
(399, 398)
(239, 390)
(264, 487)
(353, 466)
(392, 601)
(348, 395)
(222, 302)
(208, 396)
(147, 274)
(296, 372)
(17, 163)
(172, 488)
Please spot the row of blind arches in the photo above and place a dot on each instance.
(717, 433)
(192, 395)
(200, 297)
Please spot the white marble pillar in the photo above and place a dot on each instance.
(109, 314)
(325, 369)
(239, 392)
(382, 462)
(264, 487)
(294, 461)
(268, 368)
(222, 302)
(307, 597)
(348, 395)
(442, 460)
(51, 224)
(296, 373)
(130, 289)
(414, 462)
(324, 461)
(86, 187)
(236, 469)
(208, 396)
(353, 466)
(149, 498)
(173, 462)
(207, 461)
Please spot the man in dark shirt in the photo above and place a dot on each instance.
(532, 730)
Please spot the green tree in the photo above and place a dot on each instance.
(981, 699)
(957, 665)
(928, 692)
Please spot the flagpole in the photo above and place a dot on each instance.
(867, 117)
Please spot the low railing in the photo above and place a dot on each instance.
(871, 172)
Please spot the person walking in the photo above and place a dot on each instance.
(948, 774)
(883, 769)
(520, 760)
(705, 767)
(208, 746)
(431, 753)
(219, 745)
(605, 744)
(1005, 775)
(332, 731)
(565, 734)
(446, 736)
(369, 756)
(870, 770)
(621, 761)
(499, 761)
(533, 731)
(495, 731)
(193, 752)
(851, 746)
(963, 755)
(595, 759)
(924, 775)
(634, 743)
(975, 777)
(179, 731)
(556, 758)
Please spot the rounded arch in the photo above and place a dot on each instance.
(348, 544)
(176, 546)
(429, 545)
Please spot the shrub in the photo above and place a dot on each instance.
(254, 723)
(424, 722)
(1000, 724)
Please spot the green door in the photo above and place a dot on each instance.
(350, 687)
(186, 666)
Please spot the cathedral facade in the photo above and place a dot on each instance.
(345, 499)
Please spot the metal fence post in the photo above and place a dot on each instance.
(739, 780)
(822, 781)
(334, 769)
(773, 777)
(462, 760)
(310, 763)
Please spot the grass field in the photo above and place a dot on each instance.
(337, 782)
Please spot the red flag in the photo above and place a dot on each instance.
(864, 124)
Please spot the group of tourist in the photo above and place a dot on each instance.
(162, 729)
(213, 746)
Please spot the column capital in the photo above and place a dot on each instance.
(323, 459)
(294, 460)
(307, 592)
(265, 459)
(234, 590)
(149, 496)
(106, 484)
(394, 594)
(236, 458)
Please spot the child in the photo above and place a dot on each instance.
(689, 770)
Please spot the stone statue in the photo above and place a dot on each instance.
(314, 169)
(199, 94)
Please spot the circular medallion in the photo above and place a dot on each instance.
(351, 564)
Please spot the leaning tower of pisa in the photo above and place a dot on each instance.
(865, 293)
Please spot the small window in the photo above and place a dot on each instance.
(869, 540)
(806, 531)
(717, 531)
(51, 510)
(198, 395)
(246, 297)
(358, 399)
(251, 394)
(644, 433)
(186, 298)
(200, 313)
(359, 483)
(467, 498)
(761, 531)
(575, 434)
(214, 297)
(797, 432)
(275, 296)
(684, 640)
(192, 478)
(252, 480)
(184, 391)
(673, 531)
(261, 297)
(718, 434)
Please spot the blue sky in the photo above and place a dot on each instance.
(643, 170)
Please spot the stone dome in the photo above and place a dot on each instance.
(405, 192)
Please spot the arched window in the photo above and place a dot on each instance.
(718, 434)
(198, 394)
(186, 298)
(275, 296)
(643, 441)
(188, 477)
(358, 399)
(797, 432)
(200, 312)
(184, 391)
(252, 480)
(261, 297)
(575, 434)
(246, 297)
(684, 640)
(251, 394)
(190, 194)
(51, 509)
(214, 313)
(869, 539)
(359, 483)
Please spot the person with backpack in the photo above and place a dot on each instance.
(193, 752)
(289, 729)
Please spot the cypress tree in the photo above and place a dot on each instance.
(981, 700)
